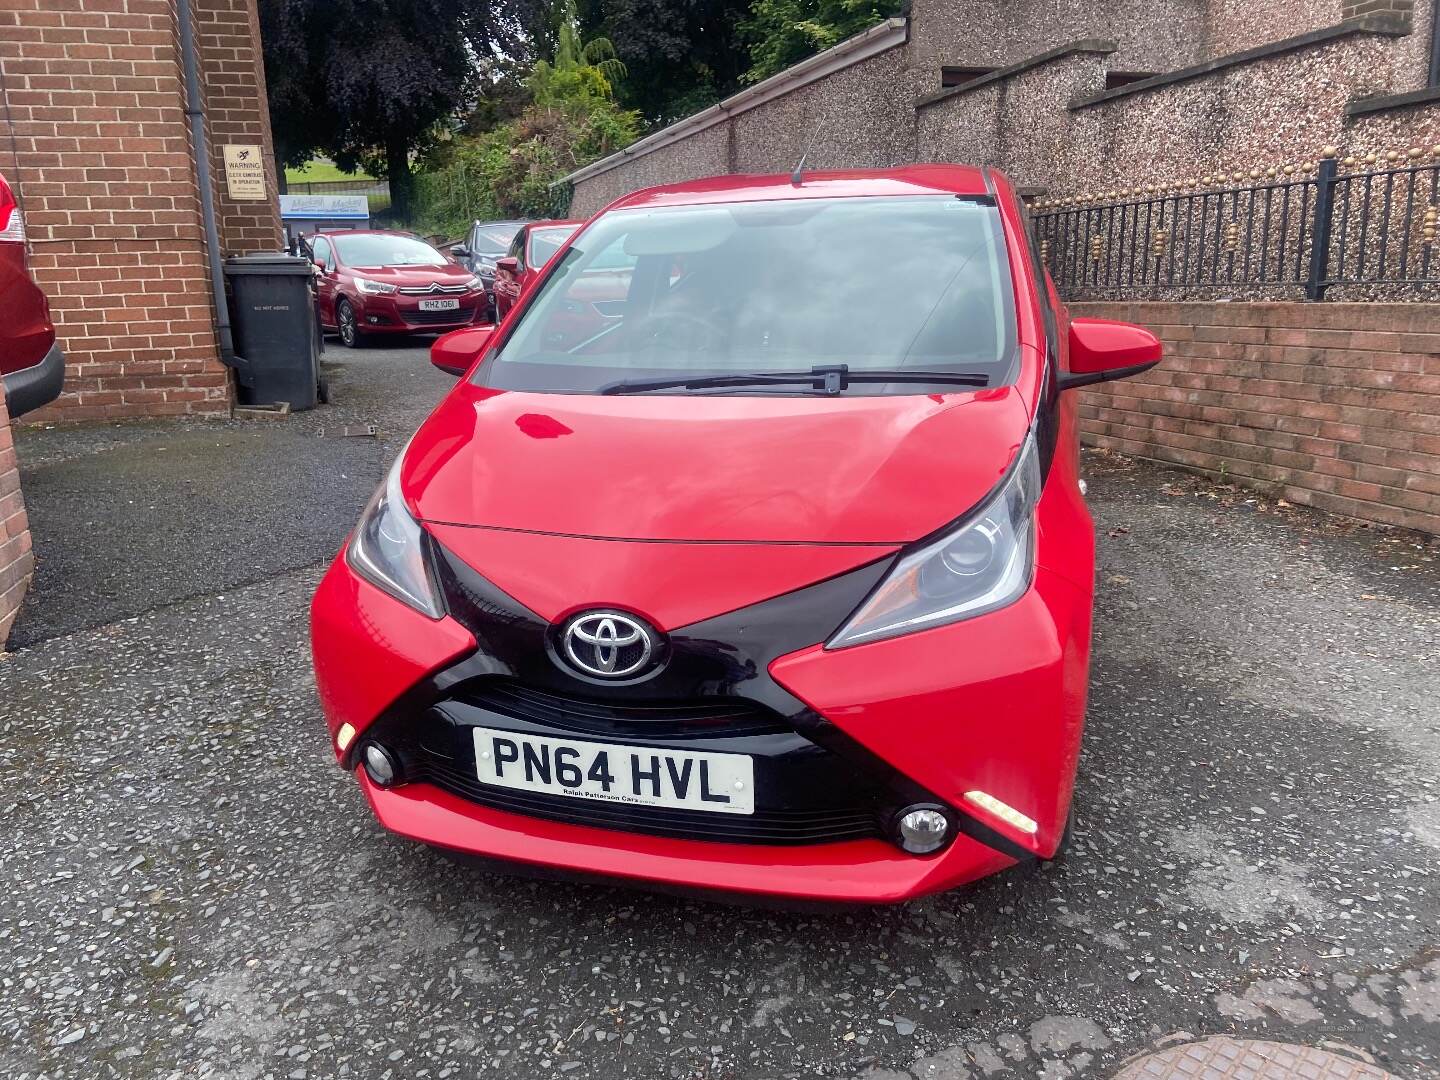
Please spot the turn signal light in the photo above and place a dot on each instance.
(995, 808)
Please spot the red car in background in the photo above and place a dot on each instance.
(378, 282)
(534, 245)
(32, 366)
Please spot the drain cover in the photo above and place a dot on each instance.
(1232, 1059)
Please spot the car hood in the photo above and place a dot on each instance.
(784, 470)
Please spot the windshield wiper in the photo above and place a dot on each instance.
(832, 380)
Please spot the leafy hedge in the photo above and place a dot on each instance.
(512, 171)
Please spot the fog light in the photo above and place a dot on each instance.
(380, 765)
(344, 736)
(923, 829)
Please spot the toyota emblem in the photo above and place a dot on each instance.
(608, 644)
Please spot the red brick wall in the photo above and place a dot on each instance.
(233, 74)
(107, 182)
(17, 561)
(1335, 406)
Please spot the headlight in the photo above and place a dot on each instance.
(984, 564)
(387, 548)
(375, 288)
(474, 283)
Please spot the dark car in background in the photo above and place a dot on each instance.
(32, 367)
(534, 245)
(379, 282)
(483, 246)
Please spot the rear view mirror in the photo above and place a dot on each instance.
(509, 264)
(1101, 350)
(460, 251)
(456, 351)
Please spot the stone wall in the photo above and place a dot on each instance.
(851, 119)
(17, 561)
(107, 182)
(1053, 126)
(1335, 406)
(708, 153)
(1241, 85)
(1150, 35)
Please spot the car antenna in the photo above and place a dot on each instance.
(798, 176)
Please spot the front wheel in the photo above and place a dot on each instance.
(349, 328)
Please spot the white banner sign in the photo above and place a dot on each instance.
(324, 207)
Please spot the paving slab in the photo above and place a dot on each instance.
(1250, 1059)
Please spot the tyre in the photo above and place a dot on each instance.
(348, 327)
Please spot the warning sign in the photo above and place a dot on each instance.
(245, 173)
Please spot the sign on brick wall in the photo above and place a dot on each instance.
(244, 173)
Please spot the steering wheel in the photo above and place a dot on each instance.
(675, 329)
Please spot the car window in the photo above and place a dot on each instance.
(918, 282)
(517, 249)
(321, 248)
(545, 242)
(386, 249)
(492, 239)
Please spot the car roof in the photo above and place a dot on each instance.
(549, 223)
(371, 232)
(839, 183)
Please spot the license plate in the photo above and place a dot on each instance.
(639, 775)
(439, 305)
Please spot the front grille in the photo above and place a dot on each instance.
(433, 290)
(438, 318)
(805, 794)
(699, 718)
(761, 827)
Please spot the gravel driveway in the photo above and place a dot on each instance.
(194, 890)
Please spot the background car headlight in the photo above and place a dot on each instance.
(387, 548)
(377, 288)
(982, 565)
(474, 283)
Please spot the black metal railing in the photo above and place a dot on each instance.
(1364, 227)
(358, 186)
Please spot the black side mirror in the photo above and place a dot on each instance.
(460, 251)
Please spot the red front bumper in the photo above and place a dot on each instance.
(402, 314)
(863, 871)
(995, 704)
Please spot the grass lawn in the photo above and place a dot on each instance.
(315, 172)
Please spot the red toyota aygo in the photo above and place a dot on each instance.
(773, 576)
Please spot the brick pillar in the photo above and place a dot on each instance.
(17, 561)
(107, 184)
(232, 73)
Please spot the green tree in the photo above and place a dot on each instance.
(783, 32)
(682, 55)
(369, 81)
(512, 170)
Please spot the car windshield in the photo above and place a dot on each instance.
(386, 249)
(545, 242)
(912, 283)
(494, 239)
